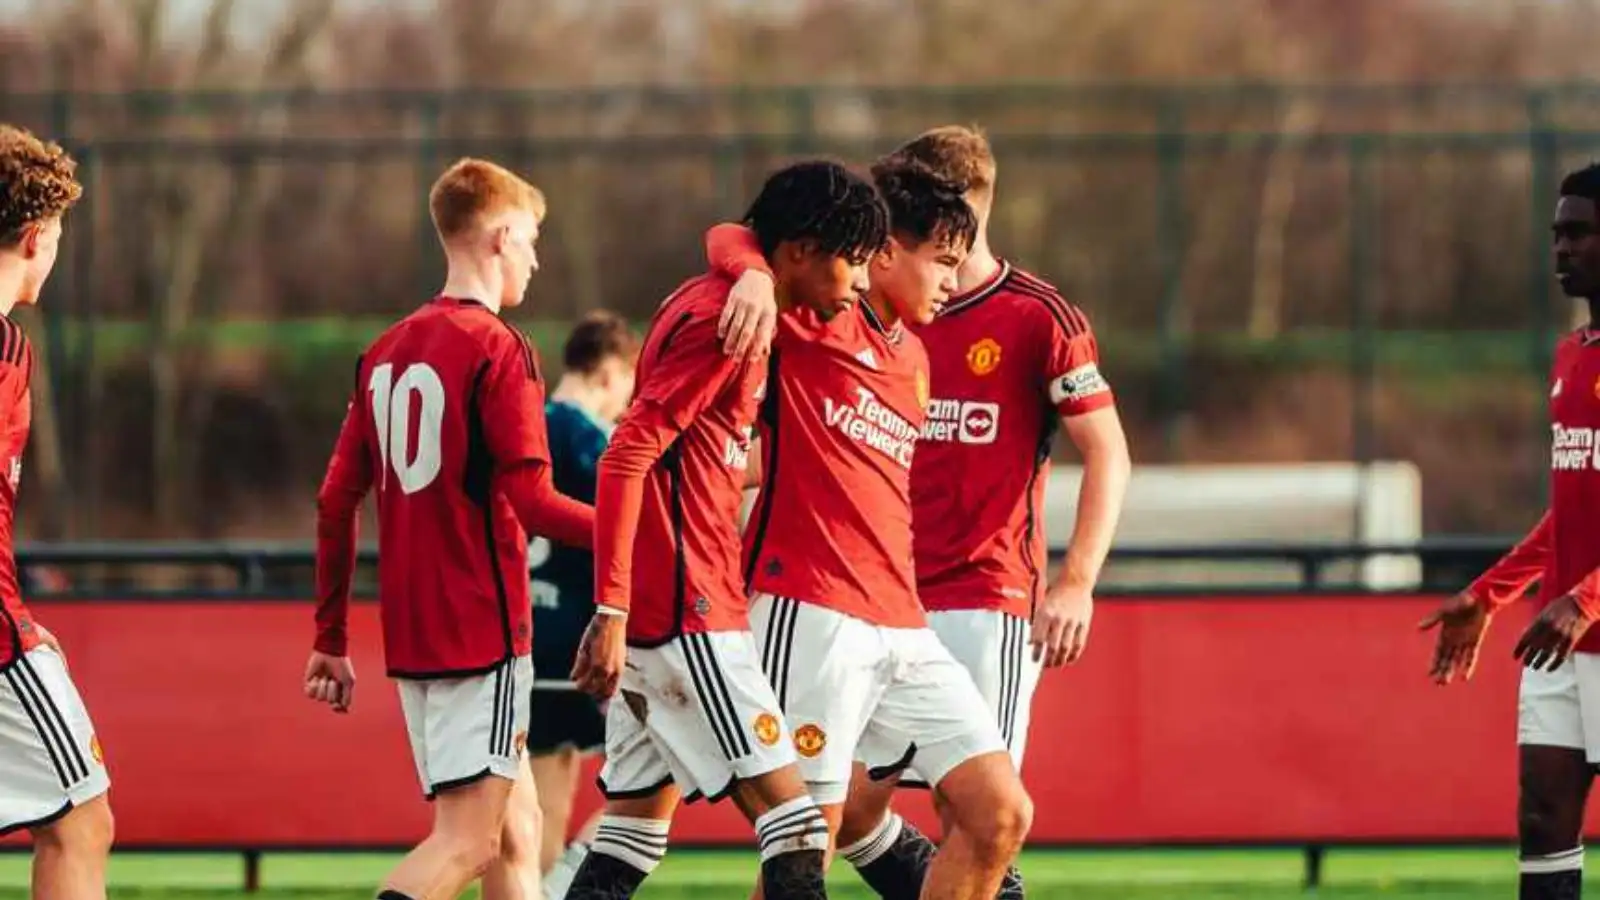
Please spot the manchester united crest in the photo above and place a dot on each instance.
(809, 740)
(922, 389)
(767, 730)
(984, 356)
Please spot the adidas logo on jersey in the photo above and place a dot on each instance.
(866, 358)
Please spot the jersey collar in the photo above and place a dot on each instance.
(891, 333)
(448, 300)
(978, 294)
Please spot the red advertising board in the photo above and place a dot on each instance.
(1192, 720)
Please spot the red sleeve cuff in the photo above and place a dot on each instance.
(733, 250)
(333, 642)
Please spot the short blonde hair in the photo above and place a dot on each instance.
(473, 189)
(38, 182)
(956, 153)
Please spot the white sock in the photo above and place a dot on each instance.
(791, 827)
(565, 869)
(866, 851)
(641, 843)
(1551, 863)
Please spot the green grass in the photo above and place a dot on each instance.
(1466, 874)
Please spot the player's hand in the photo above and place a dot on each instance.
(1462, 621)
(1061, 625)
(1553, 634)
(750, 317)
(48, 639)
(601, 656)
(331, 680)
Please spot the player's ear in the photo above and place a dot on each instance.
(32, 233)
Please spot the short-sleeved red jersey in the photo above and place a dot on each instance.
(832, 524)
(668, 551)
(18, 634)
(1562, 552)
(1008, 360)
(444, 398)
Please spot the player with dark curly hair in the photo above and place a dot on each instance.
(53, 779)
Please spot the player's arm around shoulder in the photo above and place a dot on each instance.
(749, 317)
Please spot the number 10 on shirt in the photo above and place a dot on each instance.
(392, 401)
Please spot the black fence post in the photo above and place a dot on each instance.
(1315, 853)
(252, 871)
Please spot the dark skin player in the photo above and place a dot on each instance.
(1553, 782)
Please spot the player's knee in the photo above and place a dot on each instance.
(474, 854)
(998, 828)
(1547, 820)
(1544, 829)
(520, 837)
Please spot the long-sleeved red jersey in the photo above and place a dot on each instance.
(447, 424)
(1562, 552)
(18, 634)
(670, 484)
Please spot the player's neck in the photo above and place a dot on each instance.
(575, 390)
(11, 278)
(464, 282)
(883, 308)
(979, 266)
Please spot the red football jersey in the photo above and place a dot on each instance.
(1008, 360)
(669, 551)
(1562, 552)
(16, 371)
(444, 399)
(832, 525)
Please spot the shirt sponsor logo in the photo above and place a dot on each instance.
(984, 356)
(962, 422)
(870, 422)
(1573, 449)
(1078, 385)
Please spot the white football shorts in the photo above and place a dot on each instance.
(1562, 708)
(466, 729)
(696, 711)
(851, 690)
(993, 647)
(50, 760)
